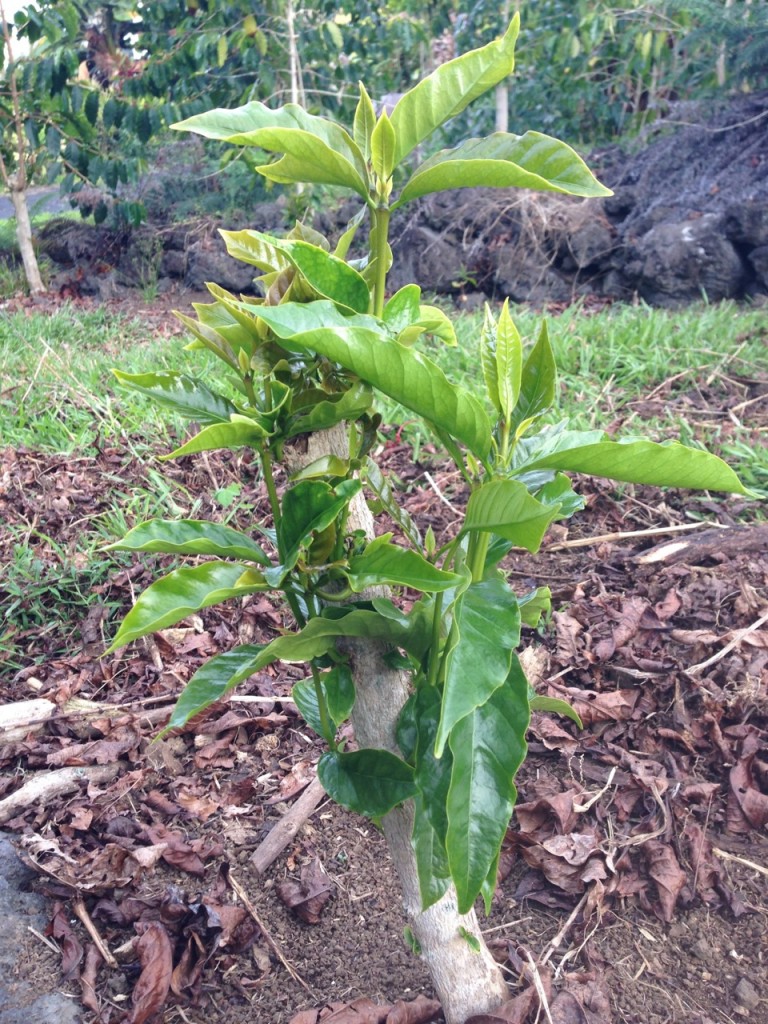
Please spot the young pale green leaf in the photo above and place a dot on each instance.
(488, 358)
(557, 491)
(367, 781)
(534, 604)
(240, 432)
(669, 464)
(391, 565)
(450, 89)
(347, 237)
(327, 275)
(383, 148)
(182, 592)
(184, 395)
(214, 679)
(405, 375)
(556, 707)
(191, 537)
(403, 308)
(257, 249)
(506, 508)
(532, 161)
(430, 320)
(229, 328)
(308, 507)
(487, 621)
(315, 148)
(364, 123)
(508, 351)
(209, 338)
(488, 747)
(538, 384)
(325, 466)
(349, 406)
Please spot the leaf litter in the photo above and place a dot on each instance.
(628, 836)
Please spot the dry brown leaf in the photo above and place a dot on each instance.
(71, 950)
(88, 977)
(752, 803)
(177, 852)
(156, 959)
(555, 810)
(513, 1011)
(667, 875)
(306, 896)
(419, 1011)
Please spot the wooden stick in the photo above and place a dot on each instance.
(738, 636)
(275, 842)
(724, 855)
(242, 895)
(658, 531)
(44, 786)
(78, 906)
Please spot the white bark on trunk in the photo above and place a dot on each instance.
(24, 238)
(466, 982)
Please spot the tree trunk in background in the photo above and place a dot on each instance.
(24, 238)
(466, 981)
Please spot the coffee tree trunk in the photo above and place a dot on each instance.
(24, 238)
(467, 980)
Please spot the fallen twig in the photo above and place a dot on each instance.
(606, 538)
(290, 823)
(738, 636)
(44, 786)
(242, 895)
(724, 855)
(78, 906)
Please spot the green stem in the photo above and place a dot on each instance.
(434, 647)
(381, 221)
(329, 733)
(478, 549)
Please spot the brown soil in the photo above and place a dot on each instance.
(641, 839)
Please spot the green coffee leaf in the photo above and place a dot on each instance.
(556, 707)
(488, 747)
(431, 859)
(390, 565)
(182, 592)
(370, 782)
(383, 148)
(349, 406)
(538, 384)
(364, 123)
(532, 161)
(214, 680)
(450, 89)
(257, 249)
(184, 395)
(506, 508)
(487, 622)
(308, 507)
(241, 431)
(191, 537)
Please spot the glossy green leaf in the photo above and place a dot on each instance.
(403, 308)
(184, 395)
(433, 774)
(487, 621)
(370, 782)
(431, 858)
(349, 406)
(214, 679)
(488, 748)
(538, 384)
(241, 431)
(305, 697)
(182, 592)
(209, 338)
(383, 147)
(502, 360)
(407, 376)
(339, 686)
(325, 466)
(390, 565)
(364, 123)
(531, 161)
(669, 464)
(506, 508)
(191, 537)
(231, 330)
(308, 507)
(556, 707)
(315, 149)
(450, 89)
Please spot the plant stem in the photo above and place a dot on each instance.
(478, 549)
(434, 647)
(381, 222)
(329, 733)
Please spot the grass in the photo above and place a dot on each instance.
(58, 396)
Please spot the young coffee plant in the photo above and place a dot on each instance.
(437, 695)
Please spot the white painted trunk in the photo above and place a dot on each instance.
(466, 982)
(24, 238)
